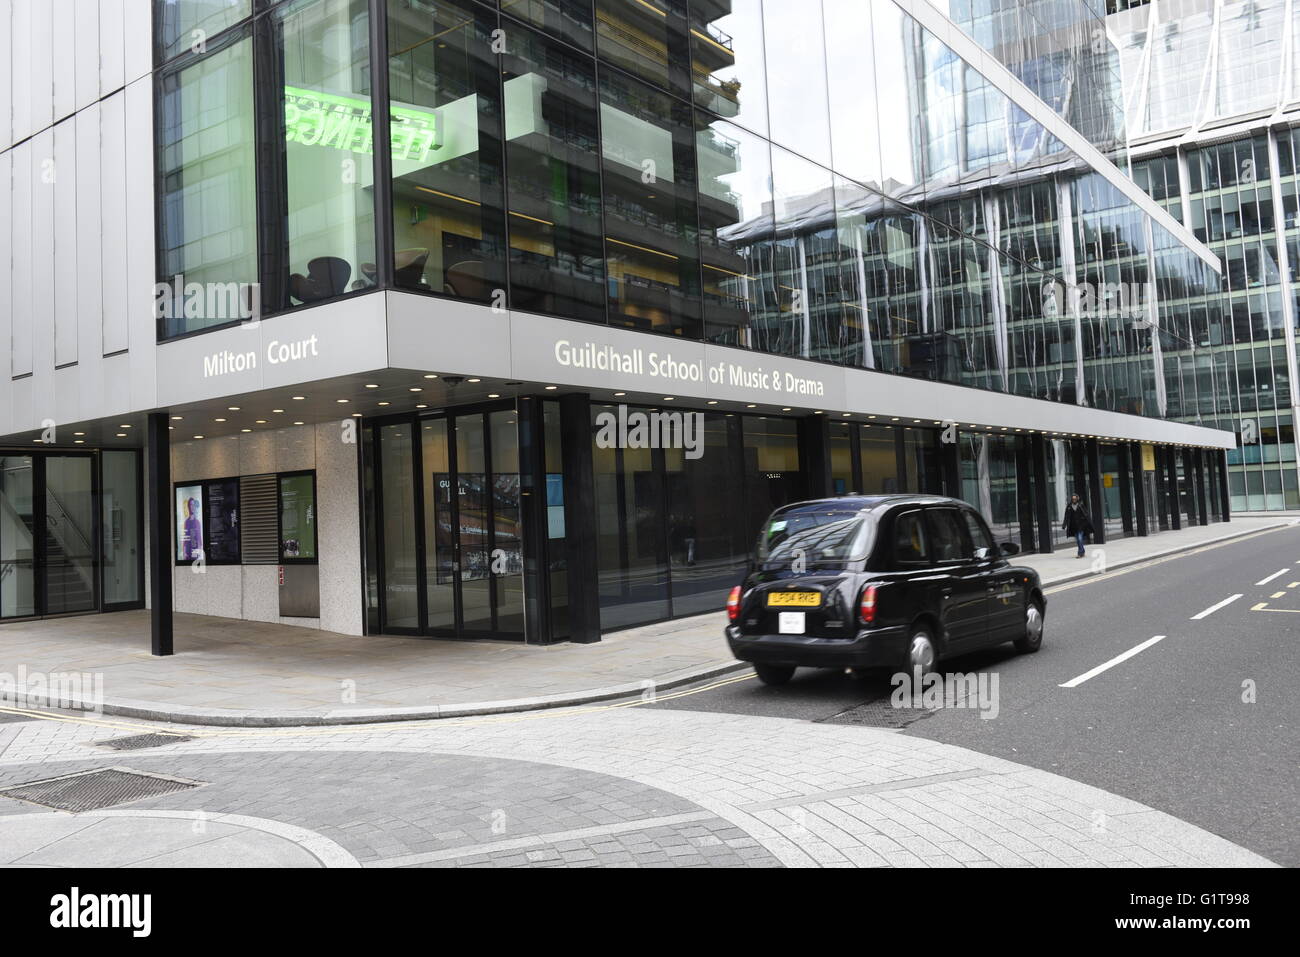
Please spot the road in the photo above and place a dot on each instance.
(1173, 725)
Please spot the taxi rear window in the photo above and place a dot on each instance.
(816, 536)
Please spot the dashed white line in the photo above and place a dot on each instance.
(1118, 659)
(1265, 581)
(1213, 608)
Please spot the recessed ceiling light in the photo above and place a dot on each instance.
(431, 376)
(218, 420)
(356, 415)
(785, 409)
(385, 403)
(421, 406)
(616, 394)
(494, 395)
(124, 425)
(668, 398)
(177, 418)
(751, 406)
(341, 401)
(475, 380)
(198, 436)
(277, 410)
(415, 388)
(120, 435)
(233, 408)
(371, 385)
(243, 430)
(78, 441)
(300, 423)
(552, 388)
(713, 402)
(83, 433)
(261, 422)
(299, 398)
(819, 412)
(847, 414)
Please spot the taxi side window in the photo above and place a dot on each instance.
(979, 534)
(910, 544)
(948, 538)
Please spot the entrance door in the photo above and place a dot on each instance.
(473, 542)
(48, 535)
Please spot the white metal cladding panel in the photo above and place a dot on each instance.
(86, 47)
(6, 280)
(142, 327)
(6, 74)
(65, 246)
(112, 192)
(66, 67)
(20, 357)
(138, 39)
(42, 68)
(21, 89)
(43, 291)
(112, 63)
(90, 303)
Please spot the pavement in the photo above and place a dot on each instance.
(250, 674)
(616, 784)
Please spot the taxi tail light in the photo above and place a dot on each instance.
(733, 604)
(867, 605)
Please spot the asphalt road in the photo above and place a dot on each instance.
(1168, 726)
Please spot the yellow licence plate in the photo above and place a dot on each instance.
(794, 599)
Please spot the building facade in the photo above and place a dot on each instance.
(1213, 109)
(514, 320)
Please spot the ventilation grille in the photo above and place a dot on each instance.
(259, 538)
(92, 790)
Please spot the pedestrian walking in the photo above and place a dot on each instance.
(1077, 522)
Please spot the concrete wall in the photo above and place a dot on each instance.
(76, 210)
(251, 592)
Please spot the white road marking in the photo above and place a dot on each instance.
(1213, 608)
(1265, 581)
(1118, 659)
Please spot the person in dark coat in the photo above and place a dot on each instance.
(1077, 522)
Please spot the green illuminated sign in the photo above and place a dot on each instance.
(342, 122)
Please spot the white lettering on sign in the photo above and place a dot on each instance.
(277, 353)
(637, 361)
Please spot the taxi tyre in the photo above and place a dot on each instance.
(1034, 619)
(774, 674)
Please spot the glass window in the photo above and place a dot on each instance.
(727, 61)
(189, 523)
(879, 455)
(651, 224)
(398, 529)
(819, 536)
(568, 20)
(323, 48)
(806, 321)
(120, 499)
(553, 193)
(771, 467)
(17, 541)
(979, 535)
(206, 164)
(910, 540)
(796, 61)
(445, 110)
(949, 542)
(647, 38)
(736, 229)
(222, 521)
(851, 82)
(182, 25)
(895, 50)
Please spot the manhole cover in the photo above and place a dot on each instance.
(92, 790)
(136, 742)
(878, 714)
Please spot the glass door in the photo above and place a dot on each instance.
(17, 538)
(68, 561)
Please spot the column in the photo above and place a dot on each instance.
(815, 456)
(1202, 512)
(1025, 492)
(1096, 506)
(532, 500)
(580, 517)
(1171, 488)
(1125, 488)
(1038, 451)
(1225, 501)
(159, 498)
(1141, 521)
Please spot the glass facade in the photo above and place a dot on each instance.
(635, 164)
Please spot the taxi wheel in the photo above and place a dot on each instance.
(921, 652)
(774, 674)
(1033, 638)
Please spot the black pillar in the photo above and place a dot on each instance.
(1096, 505)
(1125, 487)
(950, 466)
(815, 456)
(532, 491)
(1225, 502)
(1171, 488)
(160, 532)
(579, 517)
(1044, 508)
(1202, 511)
(1025, 493)
(1141, 522)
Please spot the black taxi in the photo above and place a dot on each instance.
(879, 581)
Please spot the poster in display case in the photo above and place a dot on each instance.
(189, 523)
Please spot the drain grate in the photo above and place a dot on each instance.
(92, 790)
(878, 714)
(137, 742)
